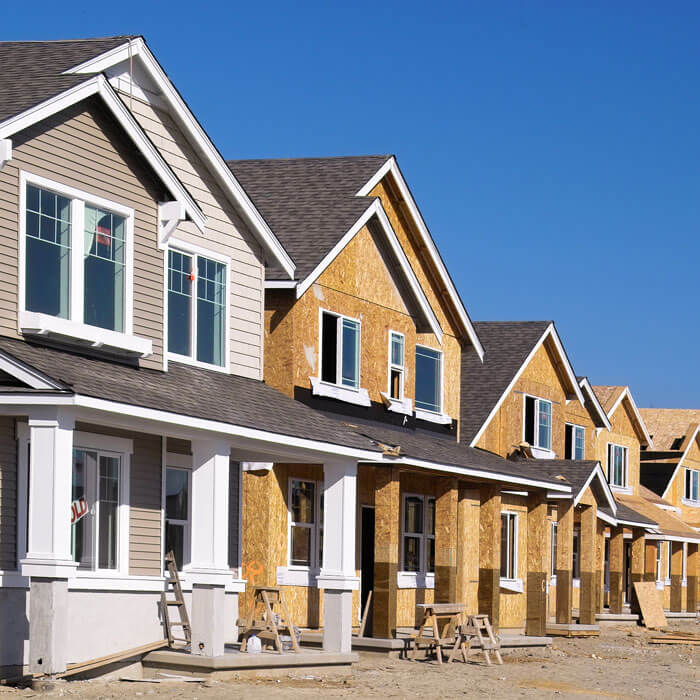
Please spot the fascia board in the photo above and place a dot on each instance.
(567, 365)
(585, 384)
(28, 375)
(597, 471)
(679, 466)
(640, 421)
(392, 166)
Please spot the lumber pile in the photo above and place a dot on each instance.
(676, 638)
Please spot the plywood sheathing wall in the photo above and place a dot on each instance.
(623, 432)
(677, 487)
(544, 379)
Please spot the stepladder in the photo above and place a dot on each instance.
(268, 618)
(474, 636)
(177, 601)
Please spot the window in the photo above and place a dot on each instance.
(177, 514)
(418, 533)
(538, 422)
(396, 365)
(575, 447)
(340, 350)
(197, 312)
(95, 501)
(669, 556)
(692, 477)
(576, 554)
(553, 551)
(76, 256)
(305, 523)
(509, 545)
(659, 577)
(428, 379)
(617, 465)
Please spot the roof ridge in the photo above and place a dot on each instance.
(308, 158)
(69, 41)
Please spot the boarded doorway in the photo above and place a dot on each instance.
(367, 561)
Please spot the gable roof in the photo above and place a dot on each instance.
(314, 205)
(668, 524)
(509, 346)
(595, 404)
(670, 426)
(611, 397)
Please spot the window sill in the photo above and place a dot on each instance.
(660, 585)
(297, 576)
(32, 323)
(621, 489)
(432, 417)
(184, 360)
(415, 579)
(404, 406)
(576, 583)
(359, 397)
(512, 584)
(690, 503)
(542, 453)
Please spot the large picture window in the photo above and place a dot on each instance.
(197, 308)
(305, 523)
(76, 262)
(340, 350)
(538, 422)
(509, 545)
(418, 533)
(428, 379)
(617, 465)
(96, 489)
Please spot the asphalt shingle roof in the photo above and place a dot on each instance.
(506, 346)
(607, 395)
(668, 426)
(309, 203)
(32, 70)
(575, 472)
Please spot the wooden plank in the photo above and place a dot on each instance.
(650, 604)
(73, 669)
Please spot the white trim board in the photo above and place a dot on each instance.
(550, 331)
(640, 421)
(137, 51)
(376, 209)
(598, 471)
(586, 385)
(99, 85)
(680, 466)
(391, 166)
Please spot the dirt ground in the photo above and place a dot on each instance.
(618, 664)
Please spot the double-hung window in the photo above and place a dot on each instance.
(340, 350)
(428, 379)
(575, 443)
(553, 551)
(538, 422)
(177, 514)
(692, 479)
(418, 533)
(617, 465)
(397, 369)
(305, 523)
(76, 257)
(95, 503)
(509, 545)
(197, 308)
(659, 577)
(576, 554)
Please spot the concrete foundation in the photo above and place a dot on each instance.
(337, 614)
(48, 625)
(208, 624)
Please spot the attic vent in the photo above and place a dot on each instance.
(677, 443)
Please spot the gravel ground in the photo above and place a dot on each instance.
(619, 664)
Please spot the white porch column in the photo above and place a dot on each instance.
(48, 562)
(208, 568)
(338, 577)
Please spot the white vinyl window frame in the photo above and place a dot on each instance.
(669, 567)
(547, 449)
(423, 537)
(196, 251)
(316, 527)
(612, 447)
(576, 431)
(553, 553)
(74, 324)
(400, 369)
(427, 414)
(576, 557)
(511, 546)
(691, 487)
(181, 463)
(659, 563)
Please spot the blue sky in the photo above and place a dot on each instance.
(553, 150)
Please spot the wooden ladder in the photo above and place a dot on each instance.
(477, 627)
(178, 601)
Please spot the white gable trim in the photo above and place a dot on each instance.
(392, 166)
(550, 331)
(585, 384)
(597, 471)
(137, 49)
(376, 209)
(100, 86)
(627, 393)
(679, 466)
(27, 375)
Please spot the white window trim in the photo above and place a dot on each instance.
(514, 583)
(391, 366)
(33, 322)
(625, 488)
(183, 463)
(193, 250)
(537, 450)
(341, 392)
(690, 502)
(435, 416)
(423, 577)
(552, 555)
(576, 427)
(305, 573)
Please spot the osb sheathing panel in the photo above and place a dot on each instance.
(541, 378)
(279, 340)
(513, 605)
(677, 488)
(623, 432)
(406, 601)
(468, 549)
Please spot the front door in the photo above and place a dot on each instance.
(367, 570)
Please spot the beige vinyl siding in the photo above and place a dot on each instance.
(83, 147)
(145, 489)
(8, 494)
(225, 234)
